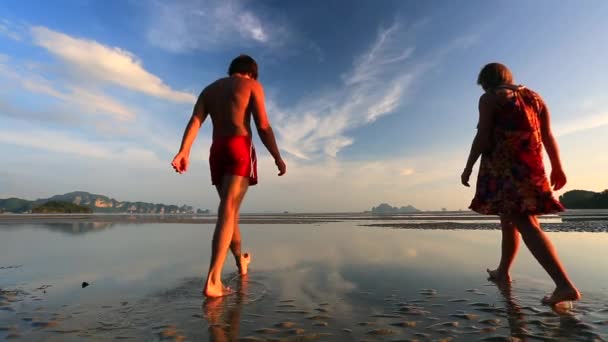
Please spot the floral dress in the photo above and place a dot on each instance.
(512, 177)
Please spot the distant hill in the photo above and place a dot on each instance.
(384, 209)
(57, 207)
(582, 199)
(97, 203)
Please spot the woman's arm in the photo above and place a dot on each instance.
(558, 177)
(483, 139)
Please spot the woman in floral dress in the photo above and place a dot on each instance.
(513, 126)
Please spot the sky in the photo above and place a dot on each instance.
(371, 102)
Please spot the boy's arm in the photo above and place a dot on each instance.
(199, 114)
(263, 126)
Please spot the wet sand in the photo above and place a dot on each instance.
(335, 281)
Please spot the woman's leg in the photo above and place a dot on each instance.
(543, 250)
(509, 248)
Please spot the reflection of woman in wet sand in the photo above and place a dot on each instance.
(513, 126)
(515, 317)
(569, 325)
(225, 328)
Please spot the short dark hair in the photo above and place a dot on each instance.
(493, 75)
(244, 64)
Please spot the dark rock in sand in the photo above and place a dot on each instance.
(466, 316)
(501, 339)
(385, 316)
(296, 331)
(491, 321)
(285, 325)
(443, 324)
(266, 331)
(480, 305)
(428, 292)
(405, 324)
(458, 300)
(84, 284)
(364, 324)
(303, 312)
(49, 324)
(381, 332)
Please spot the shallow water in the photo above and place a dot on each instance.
(324, 281)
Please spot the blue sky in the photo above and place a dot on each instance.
(371, 101)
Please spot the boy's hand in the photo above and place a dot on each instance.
(180, 162)
(281, 165)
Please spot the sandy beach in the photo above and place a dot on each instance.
(313, 277)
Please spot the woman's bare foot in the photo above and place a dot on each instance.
(243, 264)
(217, 291)
(498, 276)
(562, 295)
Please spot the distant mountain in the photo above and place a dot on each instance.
(384, 209)
(57, 207)
(582, 199)
(97, 203)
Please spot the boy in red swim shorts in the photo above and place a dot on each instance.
(230, 102)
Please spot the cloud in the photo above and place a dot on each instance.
(57, 142)
(106, 64)
(583, 123)
(185, 25)
(376, 85)
(6, 29)
(73, 96)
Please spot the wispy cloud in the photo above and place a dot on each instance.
(86, 100)
(57, 142)
(107, 64)
(208, 24)
(7, 30)
(582, 124)
(376, 85)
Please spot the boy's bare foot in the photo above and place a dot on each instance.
(243, 264)
(562, 295)
(498, 276)
(217, 291)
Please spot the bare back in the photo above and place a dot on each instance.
(228, 102)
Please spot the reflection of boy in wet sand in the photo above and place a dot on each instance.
(225, 328)
(230, 101)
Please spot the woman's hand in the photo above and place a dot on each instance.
(464, 178)
(558, 178)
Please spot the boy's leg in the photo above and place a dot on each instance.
(242, 260)
(232, 191)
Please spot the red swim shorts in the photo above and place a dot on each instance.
(233, 155)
